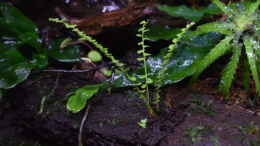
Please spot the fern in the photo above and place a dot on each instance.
(166, 60)
(173, 46)
(229, 72)
(251, 56)
(219, 50)
(145, 86)
(84, 37)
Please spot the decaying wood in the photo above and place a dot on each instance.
(122, 17)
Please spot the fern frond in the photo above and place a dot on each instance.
(144, 90)
(175, 41)
(84, 37)
(249, 43)
(229, 71)
(220, 49)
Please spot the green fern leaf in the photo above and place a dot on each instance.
(250, 43)
(229, 72)
(219, 50)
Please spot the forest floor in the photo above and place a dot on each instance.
(193, 117)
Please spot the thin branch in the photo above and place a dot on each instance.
(82, 126)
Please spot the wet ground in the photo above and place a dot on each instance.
(195, 118)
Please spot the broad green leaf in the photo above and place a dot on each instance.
(13, 22)
(182, 11)
(190, 13)
(227, 10)
(162, 33)
(80, 98)
(13, 68)
(220, 49)
(181, 64)
(39, 60)
(250, 43)
(67, 54)
(229, 71)
(211, 10)
(30, 38)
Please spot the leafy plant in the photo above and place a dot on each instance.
(144, 90)
(159, 32)
(143, 123)
(189, 13)
(196, 133)
(141, 79)
(250, 129)
(17, 31)
(241, 36)
(21, 48)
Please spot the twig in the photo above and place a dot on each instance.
(50, 94)
(82, 126)
(70, 71)
(77, 70)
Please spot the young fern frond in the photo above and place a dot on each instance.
(249, 43)
(166, 60)
(170, 51)
(145, 86)
(219, 50)
(173, 46)
(84, 37)
(229, 71)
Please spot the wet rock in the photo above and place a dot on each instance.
(195, 119)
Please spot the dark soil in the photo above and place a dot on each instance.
(194, 119)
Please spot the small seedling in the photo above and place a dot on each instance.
(250, 129)
(206, 108)
(94, 56)
(143, 123)
(196, 133)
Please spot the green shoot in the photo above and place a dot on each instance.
(143, 123)
(166, 60)
(144, 86)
